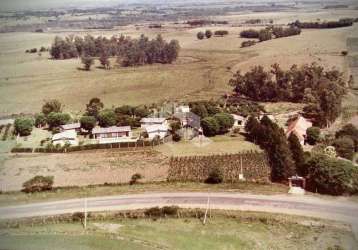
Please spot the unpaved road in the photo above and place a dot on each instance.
(333, 208)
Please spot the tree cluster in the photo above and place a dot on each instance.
(220, 123)
(270, 32)
(130, 52)
(272, 139)
(329, 175)
(23, 126)
(344, 22)
(346, 142)
(121, 116)
(321, 89)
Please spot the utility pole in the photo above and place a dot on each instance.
(85, 212)
(206, 211)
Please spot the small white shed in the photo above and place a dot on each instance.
(66, 137)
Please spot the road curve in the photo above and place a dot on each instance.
(337, 209)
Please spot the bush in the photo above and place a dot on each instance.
(221, 33)
(176, 137)
(51, 106)
(210, 126)
(87, 62)
(350, 131)
(344, 53)
(248, 43)
(55, 120)
(88, 122)
(78, 216)
(38, 184)
(250, 33)
(265, 35)
(200, 35)
(208, 33)
(313, 135)
(161, 212)
(23, 126)
(225, 121)
(107, 118)
(40, 120)
(215, 176)
(135, 178)
(331, 176)
(344, 147)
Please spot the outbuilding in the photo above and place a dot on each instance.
(68, 137)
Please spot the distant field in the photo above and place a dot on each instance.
(201, 72)
(240, 231)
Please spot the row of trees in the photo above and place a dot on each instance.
(270, 32)
(321, 89)
(284, 162)
(344, 22)
(121, 116)
(129, 51)
(324, 173)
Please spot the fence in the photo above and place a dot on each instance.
(141, 144)
(253, 165)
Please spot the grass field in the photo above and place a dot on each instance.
(220, 144)
(201, 72)
(234, 230)
(14, 198)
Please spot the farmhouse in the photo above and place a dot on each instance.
(149, 121)
(113, 134)
(4, 122)
(190, 124)
(239, 121)
(66, 137)
(72, 126)
(182, 109)
(156, 130)
(299, 127)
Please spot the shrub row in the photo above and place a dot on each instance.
(6, 132)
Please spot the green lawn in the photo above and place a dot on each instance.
(233, 230)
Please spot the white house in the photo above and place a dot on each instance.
(299, 127)
(239, 121)
(156, 130)
(113, 134)
(182, 109)
(66, 137)
(71, 126)
(149, 121)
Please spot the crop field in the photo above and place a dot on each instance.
(201, 72)
(241, 231)
(81, 169)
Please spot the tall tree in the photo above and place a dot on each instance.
(297, 154)
(94, 107)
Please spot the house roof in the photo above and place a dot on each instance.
(7, 121)
(153, 120)
(113, 129)
(156, 128)
(66, 135)
(190, 118)
(299, 127)
(71, 126)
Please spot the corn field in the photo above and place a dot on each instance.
(253, 165)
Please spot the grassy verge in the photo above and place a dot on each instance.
(14, 198)
(223, 230)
